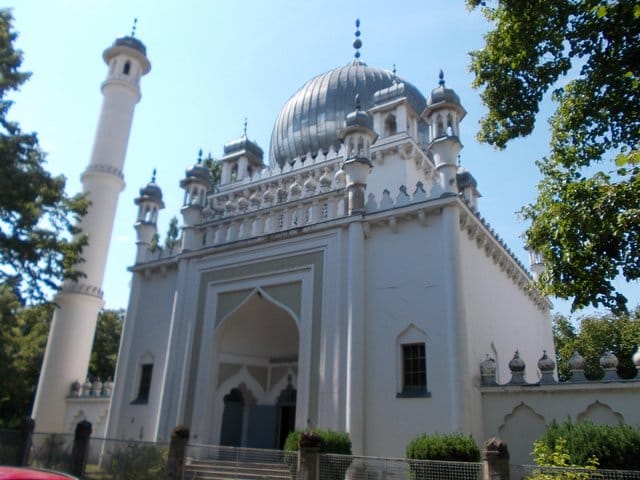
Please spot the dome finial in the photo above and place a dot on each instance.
(199, 156)
(357, 101)
(153, 176)
(245, 127)
(441, 77)
(357, 43)
(133, 29)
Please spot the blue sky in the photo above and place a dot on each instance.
(215, 63)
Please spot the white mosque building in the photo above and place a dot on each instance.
(346, 282)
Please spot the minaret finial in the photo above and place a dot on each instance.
(357, 100)
(357, 43)
(153, 176)
(133, 29)
(441, 77)
(245, 127)
(199, 156)
(394, 70)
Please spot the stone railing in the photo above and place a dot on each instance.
(95, 389)
(547, 366)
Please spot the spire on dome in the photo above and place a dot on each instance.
(357, 43)
(441, 77)
(245, 127)
(153, 176)
(200, 157)
(133, 29)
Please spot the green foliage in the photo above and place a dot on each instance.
(586, 219)
(454, 447)
(23, 337)
(559, 457)
(595, 335)
(332, 442)
(105, 344)
(138, 462)
(216, 169)
(173, 234)
(614, 446)
(39, 242)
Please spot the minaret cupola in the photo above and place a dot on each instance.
(196, 185)
(357, 136)
(149, 203)
(242, 157)
(443, 116)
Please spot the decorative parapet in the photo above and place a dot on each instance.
(494, 247)
(89, 389)
(104, 169)
(70, 286)
(547, 367)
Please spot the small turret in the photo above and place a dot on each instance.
(536, 262)
(357, 136)
(242, 158)
(196, 184)
(149, 203)
(443, 115)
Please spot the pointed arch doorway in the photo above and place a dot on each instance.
(259, 341)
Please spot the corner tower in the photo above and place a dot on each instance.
(73, 326)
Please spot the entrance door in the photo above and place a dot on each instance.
(286, 413)
(231, 434)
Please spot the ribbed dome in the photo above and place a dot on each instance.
(312, 118)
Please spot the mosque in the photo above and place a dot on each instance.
(346, 282)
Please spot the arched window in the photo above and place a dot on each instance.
(390, 125)
(127, 67)
(412, 363)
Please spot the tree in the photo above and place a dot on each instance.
(173, 234)
(105, 344)
(595, 335)
(586, 219)
(39, 244)
(23, 337)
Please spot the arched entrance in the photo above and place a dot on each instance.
(259, 343)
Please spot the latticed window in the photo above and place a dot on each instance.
(324, 213)
(414, 368)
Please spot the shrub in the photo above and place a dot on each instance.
(454, 447)
(138, 462)
(557, 458)
(615, 446)
(332, 442)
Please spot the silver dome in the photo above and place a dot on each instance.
(312, 118)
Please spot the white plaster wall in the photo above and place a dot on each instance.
(500, 316)
(404, 287)
(150, 312)
(91, 409)
(519, 415)
(391, 173)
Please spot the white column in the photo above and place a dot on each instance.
(355, 336)
(455, 320)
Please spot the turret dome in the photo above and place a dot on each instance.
(312, 118)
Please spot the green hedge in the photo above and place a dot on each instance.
(615, 446)
(454, 447)
(332, 442)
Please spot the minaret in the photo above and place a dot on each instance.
(443, 114)
(66, 357)
(149, 203)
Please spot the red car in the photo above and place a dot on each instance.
(16, 473)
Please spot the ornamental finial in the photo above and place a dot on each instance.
(153, 176)
(199, 156)
(441, 77)
(245, 127)
(357, 101)
(133, 29)
(357, 43)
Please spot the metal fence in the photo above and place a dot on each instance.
(518, 472)
(230, 462)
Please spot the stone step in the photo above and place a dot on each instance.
(203, 469)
